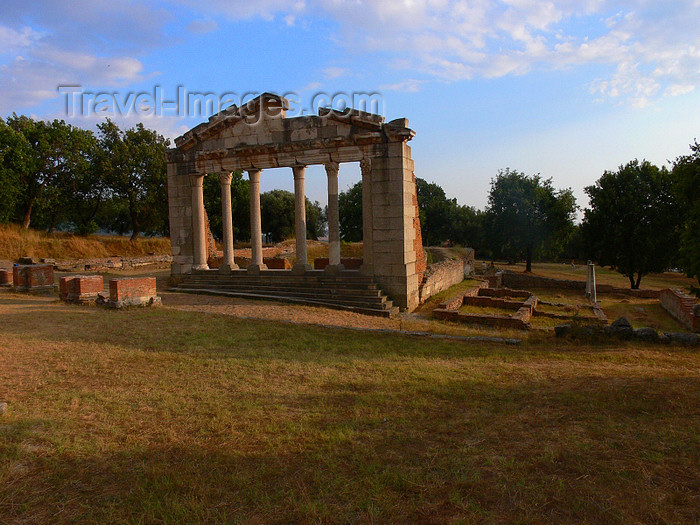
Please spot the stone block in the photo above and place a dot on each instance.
(80, 288)
(132, 291)
(34, 277)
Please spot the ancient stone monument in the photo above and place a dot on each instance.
(258, 136)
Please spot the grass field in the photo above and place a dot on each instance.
(163, 416)
(16, 242)
(604, 275)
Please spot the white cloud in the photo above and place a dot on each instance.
(411, 85)
(335, 72)
(651, 46)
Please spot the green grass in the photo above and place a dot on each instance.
(164, 416)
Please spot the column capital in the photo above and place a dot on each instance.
(298, 172)
(254, 175)
(226, 177)
(366, 165)
(196, 180)
(332, 169)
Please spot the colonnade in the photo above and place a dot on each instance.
(256, 261)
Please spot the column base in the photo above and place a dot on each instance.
(301, 268)
(334, 269)
(226, 268)
(200, 267)
(255, 269)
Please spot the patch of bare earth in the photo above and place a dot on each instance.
(268, 310)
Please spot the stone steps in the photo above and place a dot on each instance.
(353, 293)
(371, 296)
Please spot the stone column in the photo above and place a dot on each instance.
(256, 261)
(334, 265)
(227, 220)
(367, 221)
(199, 235)
(302, 264)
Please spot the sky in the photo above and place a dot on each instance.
(567, 89)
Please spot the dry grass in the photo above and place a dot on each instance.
(161, 416)
(655, 281)
(16, 242)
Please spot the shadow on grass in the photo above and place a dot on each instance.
(588, 450)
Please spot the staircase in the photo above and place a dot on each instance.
(348, 291)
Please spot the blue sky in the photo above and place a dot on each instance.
(566, 88)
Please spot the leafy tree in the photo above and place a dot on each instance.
(40, 160)
(133, 164)
(686, 179)
(632, 221)
(350, 212)
(526, 215)
(277, 216)
(443, 219)
(12, 146)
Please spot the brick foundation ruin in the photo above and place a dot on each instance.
(33, 278)
(684, 308)
(132, 291)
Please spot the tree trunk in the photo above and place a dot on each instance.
(27, 215)
(135, 233)
(631, 278)
(528, 262)
(639, 280)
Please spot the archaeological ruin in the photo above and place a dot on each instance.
(259, 136)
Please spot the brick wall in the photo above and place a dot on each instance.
(33, 277)
(440, 276)
(132, 291)
(80, 288)
(421, 257)
(5, 277)
(682, 307)
(277, 263)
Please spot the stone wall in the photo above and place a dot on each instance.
(682, 307)
(440, 276)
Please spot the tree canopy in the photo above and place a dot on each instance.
(632, 222)
(525, 215)
(686, 181)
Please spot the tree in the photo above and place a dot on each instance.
(278, 219)
(443, 219)
(350, 212)
(632, 222)
(526, 215)
(133, 164)
(11, 150)
(40, 159)
(686, 181)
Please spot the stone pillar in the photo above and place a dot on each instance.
(302, 264)
(256, 261)
(227, 221)
(367, 222)
(334, 265)
(199, 235)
